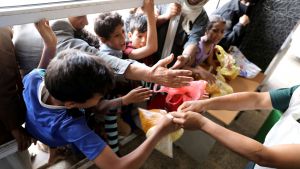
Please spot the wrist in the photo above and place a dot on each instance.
(201, 122)
(124, 101)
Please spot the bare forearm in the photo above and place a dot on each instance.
(238, 143)
(240, 101)
(138, 157)
(47, 55)
(190, 51)
(151, 42)
(138, 72)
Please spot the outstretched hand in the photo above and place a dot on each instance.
(180, 62)
(136, 95)
(194, 105)
(160, 74)
(46, 33)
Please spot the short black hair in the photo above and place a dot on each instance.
(138, 22)
(106, 23)
(77, 76)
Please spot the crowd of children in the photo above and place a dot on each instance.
(107, 72)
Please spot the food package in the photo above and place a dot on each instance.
(228, 67)
(149, 118)
(176, 96)
(219, 88)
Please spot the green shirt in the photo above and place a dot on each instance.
(280, 98)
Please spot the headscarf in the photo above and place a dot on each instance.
(190, 14)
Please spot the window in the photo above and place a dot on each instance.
(15, 12)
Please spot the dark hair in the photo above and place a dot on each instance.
(138, 22)
(106, 23)
(214, 19)
(88, 37)
(77, 76)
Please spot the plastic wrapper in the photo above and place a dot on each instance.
(149, 119)
(247, 68)
(228, 66)
(176, 96)
(219, 88)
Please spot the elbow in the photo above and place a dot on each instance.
(153, 48)
(262, 159)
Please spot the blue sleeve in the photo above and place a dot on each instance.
(86, 140)
(280, 98)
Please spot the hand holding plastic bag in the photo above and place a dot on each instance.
(176, 96)
(149, 119)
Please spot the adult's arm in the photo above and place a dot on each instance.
(234, 101)
(279, 156)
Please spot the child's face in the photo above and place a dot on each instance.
(117, 39)
(138, 39)
(216, 33)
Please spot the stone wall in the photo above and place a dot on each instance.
(271, 23)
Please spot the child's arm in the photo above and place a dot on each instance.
(108, 159)
(136, 95)
(199, 71)
(50, 42)
(173, 10)
(151, 42)
(187, 58)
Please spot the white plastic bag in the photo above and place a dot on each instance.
(247, 68)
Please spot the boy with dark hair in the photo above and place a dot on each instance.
(142, 36)
(109, 28)
(55, 98)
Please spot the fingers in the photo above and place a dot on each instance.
(178, 118)
(182, 73)
(179, 63)
(182, 106)
(164, 62)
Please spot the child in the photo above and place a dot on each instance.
(109, 28)
(55, 98)
(213, 34)
(142, 36)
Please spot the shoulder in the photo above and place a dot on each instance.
(61, 25)
(281, 98)
(35, 74)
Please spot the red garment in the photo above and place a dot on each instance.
(149, 61)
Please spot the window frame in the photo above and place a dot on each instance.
(17, 15)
